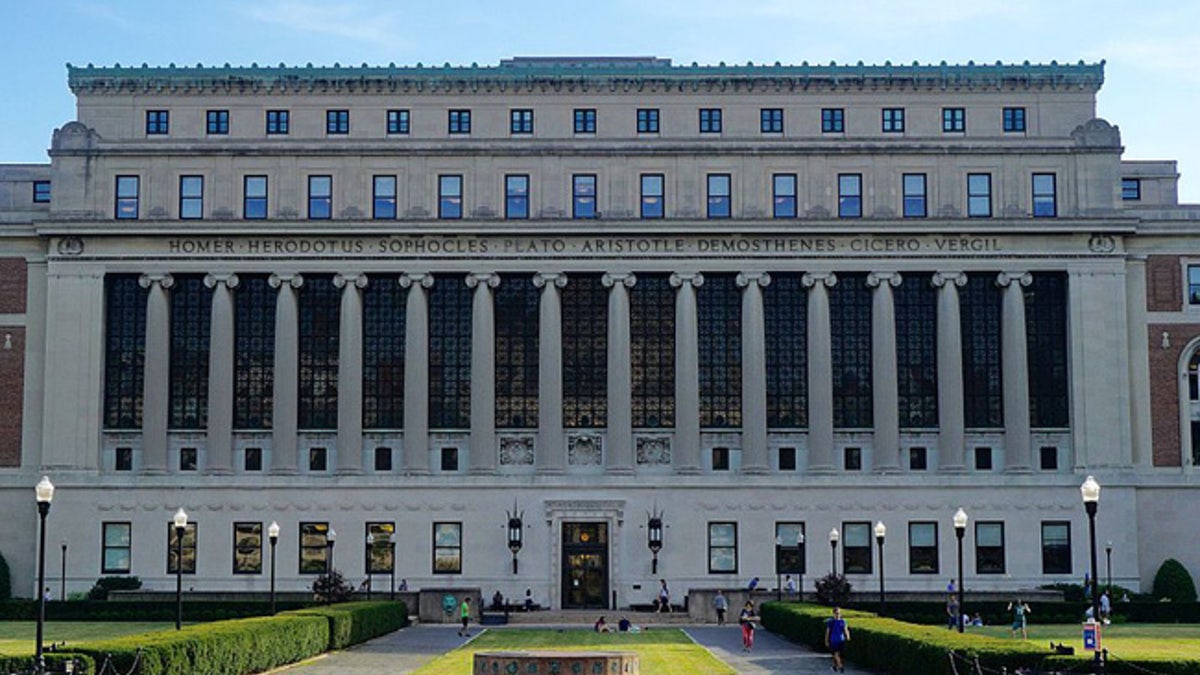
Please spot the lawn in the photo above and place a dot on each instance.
(1128, 640)
(661, 652)
(17, 637)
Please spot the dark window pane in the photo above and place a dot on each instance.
(319, 321)
(585, 351)
(516, 323)
(916, 351)
(254, 353)
(449, 353)
(719, 308)
(191, 314)
(979, 303)
(652, 351)
(850, 326)
(785, 313)
(125, 351)
(384, 316)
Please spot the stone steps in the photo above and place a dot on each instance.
(587, 617)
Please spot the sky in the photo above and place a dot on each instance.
(1152, 49)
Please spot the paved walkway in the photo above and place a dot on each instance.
(772, 654)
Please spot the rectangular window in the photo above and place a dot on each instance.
(783, 188)
(719, 198)
(856, 548)
(979, 195)
(720, 459)
(954, 120)
(922, 548)
(127, 197)
(116, 545)
(397, 122)
(381, 550)
(1045, 203)
(914, 195)
(320, 197)
(583, 196)
(787, 459)
(771, 120)
(893, 120)
(1056, 547)
(188, 549)
(710, 120)
(1194, 285)
(383, 459)
(314, 548)
(516, 197)
(158, 122)
(647, 120)
(722, 548)
(449, 459)
(983, 459)
(252, 461)
(447, 548)
(123, 459)
(337, 122)
(1048, 454)
(254, 197)
(989, 548)
(1014, 119)
(450, 197)
(521, 121)
(218, 122)
(191, 197)
(585, 120)
(849, 195)
(833, 120)
(247, 548)
(918, 459)
(789, 548)
(187, 459)
(852, 459)
(653, 195)
(318, 459)
(1131, 189)
(41, 191)
(459, 122)
(278, 122)
(383, 202)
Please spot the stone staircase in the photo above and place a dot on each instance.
(587, 617)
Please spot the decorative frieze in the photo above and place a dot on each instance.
(516, 451)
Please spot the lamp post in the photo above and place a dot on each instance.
(180, 520)
(800, 560)
(833, 540)
(779, 564)
(370, 548)
(880, 533)
(654, 539)
(44, 492)
(392, 574)
(273, 537)
(960, 528)
(330, 539)
(515, 529)
(1108, 563)
(1090, 490)
(62, 589)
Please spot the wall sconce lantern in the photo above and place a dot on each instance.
(515, 532)
(654, 538)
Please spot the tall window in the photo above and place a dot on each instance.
(833, 120)
(789, 552)
(893, 120)
(849, 195)
(521, 121)
(652, 351)
(158, 122)
(1044, 199)
(191, 197)
(383, 459)
(710, 120)
(989, 547)
(384, 302)
(254, 197)
(397, 122)
(584, 352)
(983, 399)
(922, 548)
(516, 311)
(916, 351)
(254, 352)
(314, 547)
(380, 553)
(1014, 119)
(449, 353)
(127, 198)
(247, 548)
(383, 198)
(856, 548)
(954, 119)
(450, 197)
(914, 195)
(116, 544)
(516, 196)
(320, 197)
(1131, 189)
(186, 553)
(459, 122)
(447, 548)
(583, 196)
(585, 120)
(785, 314)
(1056, 547)
(320, 311)
(850, 326)
(771, 120)
(125, 351)
(217, 122)
(722, 548)
(191, 315)
(337, 122)
(278, 122)
(1046, 339)
(979, 195)
(647, 120)
(783, 188)
(719, 197)
(719, 309)
(653, 195)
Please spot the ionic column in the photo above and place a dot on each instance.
(620, 379)
(952, 449)
(483, 373)
(286, 399)
(686, 451)
(820, 372)
(416, 373)
(550, 455)
(350, 373)
(220, 373)
(156, 378)
(754, 373)
(1014, 358)
(885, 395)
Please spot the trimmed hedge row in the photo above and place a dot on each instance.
(12, 664)
(996, 612)
(354, 622)
(104, 610)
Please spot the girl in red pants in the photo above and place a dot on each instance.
(746, 619)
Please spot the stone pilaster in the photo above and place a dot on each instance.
(686, 451)
(620, 379)
(885, 396)
(820, 372)
(951, 421)
(1014, 358)
(416, 373)
(1139, 363)
(483, 372)
(350, 374)
(285, 404)
(220, 373)
(755, 458)
(156, 379)
(550, 454)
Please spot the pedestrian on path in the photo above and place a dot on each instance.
(664, 597)
(721, 604)
(837, 634)
(746, 619)
(464, 611)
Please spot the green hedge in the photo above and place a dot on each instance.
(10, 664)
(354, 622)
(996, 612)
(107, 610)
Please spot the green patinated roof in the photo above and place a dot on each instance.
(585, 70)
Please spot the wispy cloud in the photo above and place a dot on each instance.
(345, 20)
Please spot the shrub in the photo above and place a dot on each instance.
(54, 663)
(105, 584)
(355, 622)
(1174, 583)
(332, 587)
(833, 589)
(5, 580)
(150, 610)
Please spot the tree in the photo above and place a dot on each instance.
(5, 581)
(833, 589)
(1174, 583)
(332, 587)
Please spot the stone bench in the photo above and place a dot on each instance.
(548, 662)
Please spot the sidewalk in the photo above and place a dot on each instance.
(772, 654)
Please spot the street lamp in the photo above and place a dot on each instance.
(391, 542)
(273, 536)
(1090, 490)
(62, 589)
(370, 563)
(833, 540)
(515, 528)
(654, 539)
(330, 539)
(180, 519)
(45, 493)
(880, 533)
(1108, 563)
(800, 565)
(960, 528)
(779, 564)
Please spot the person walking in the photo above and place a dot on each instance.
(1020, 610)
(464, 611)
(952, 615)
(664, 596)
(789, 587)
(721, 604)
(837, 634)
(746, 620)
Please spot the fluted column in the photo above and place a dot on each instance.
(220, 373)
(416, 373)
(820, 372)
(951, 421)
(284, 407)
(885, 395)
(350, 373)
(686, 451)
(156, 378)
(754, 373)
(620, 379)
(551, 451)
(483, 373)
(1014, 358)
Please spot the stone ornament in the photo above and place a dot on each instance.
(654, 450)
(516, 451)
(584, 450)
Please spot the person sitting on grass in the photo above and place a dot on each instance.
(601, 626)
(624, 624)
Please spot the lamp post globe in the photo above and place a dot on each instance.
(44, 493)
(370, 562)
(273, 536)
(960, 529)
(833, 542)
(330, 540)
(180, 520)
(880, 533)
(1090, 491)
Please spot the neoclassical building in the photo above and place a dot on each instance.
(629, 319)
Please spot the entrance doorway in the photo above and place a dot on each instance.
(585, 565)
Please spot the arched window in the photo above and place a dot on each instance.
(1194, 377)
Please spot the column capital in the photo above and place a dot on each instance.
(489, 279)
(678, 279)
(163, 279)
(424, 279)
(542, 279)
(877, 279)
(1005, 279)
(228, 278)
(940, 279)
(342, 279)
(278, 280)
(744, 279)
(827, 279)
(626, 279)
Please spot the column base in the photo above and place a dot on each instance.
(756, 470)
(219, 471)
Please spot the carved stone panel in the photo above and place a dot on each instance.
(516, 451)
(585, 450)
(653, 450)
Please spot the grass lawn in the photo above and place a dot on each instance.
(17, 637)
(1127, 640)
(661, 652)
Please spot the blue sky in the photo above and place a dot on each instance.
(1151, 91)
